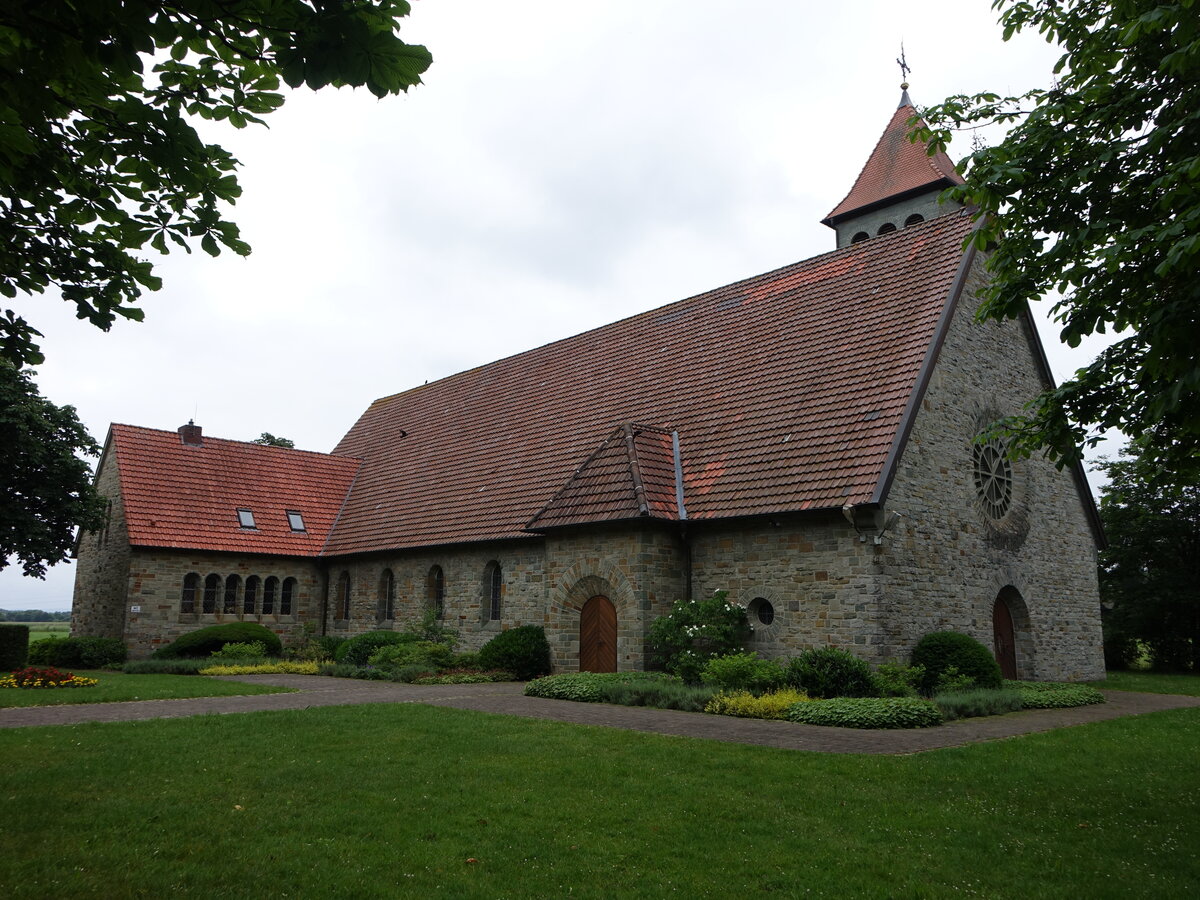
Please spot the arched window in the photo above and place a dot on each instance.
(343, 596)
(270, 589)
(493, 588)
(387, 596)
(232, 583)
(212, 585)
(914, 219)
(859, 237)
(250, 598)
(191, 587)
(435, 591)
(286, 596)
(886, 228)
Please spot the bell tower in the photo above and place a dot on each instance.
(898, 186)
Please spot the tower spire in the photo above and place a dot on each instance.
(905, 68)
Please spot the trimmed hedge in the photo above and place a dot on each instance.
(831, 672)
(166, 666)
(1054, 695)
(524, 651)
(204, 641)
(586, 687)
(867, 712)
(940, 650)
(77, 652)
(358, 649)
(14, 646)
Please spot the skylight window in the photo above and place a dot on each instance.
(246, 518)
(295, 520)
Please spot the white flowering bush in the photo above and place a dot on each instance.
(695, 631)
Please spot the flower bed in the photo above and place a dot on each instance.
(38, 678)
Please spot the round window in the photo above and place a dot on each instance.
(763, 610)
(993, 477)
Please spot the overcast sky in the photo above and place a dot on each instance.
(564, 165)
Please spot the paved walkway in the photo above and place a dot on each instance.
(507, 699)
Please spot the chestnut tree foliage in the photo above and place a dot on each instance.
(45, 484)
(1094, 194)
(100, 159)
(98, 154)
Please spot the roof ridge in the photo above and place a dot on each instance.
(254, 444)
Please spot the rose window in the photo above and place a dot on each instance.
(993, 477)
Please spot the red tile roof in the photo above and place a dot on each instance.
(787, 391)
(184, 496)
(631, 475)
(896, 166)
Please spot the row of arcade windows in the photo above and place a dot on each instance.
(887, 228)
(230, 595)
(435, 593)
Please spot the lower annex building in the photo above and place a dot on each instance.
(804, 439)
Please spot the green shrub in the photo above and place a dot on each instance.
(940, 650)
(317, 648)
(743, 672)
(978, 702)
(358, 649)
(468, 659)
(894, 680)
(464, 678)
(953, 681)
(241, 650)
(523, 651)
(428, 654)
(831, 672)
(204, 641)
(410, 673)
(342, 670)
(745, 705)
(166, 666)
(60, 652)
(656, 693)
(276, 667)
(695, 631)
(1053, 695)
(585, 687)
(14, 647)
(867, 712)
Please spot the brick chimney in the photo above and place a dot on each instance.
(191, 434)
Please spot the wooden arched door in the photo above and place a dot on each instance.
(1003, 639)
(598, 636)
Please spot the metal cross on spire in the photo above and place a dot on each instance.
(904, 67)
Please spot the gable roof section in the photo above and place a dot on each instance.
(786, 389)
(631, 475)
(187, 497)
(896, 168)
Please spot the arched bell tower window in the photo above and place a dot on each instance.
(859, 237)
(914, 219)
(886, 228)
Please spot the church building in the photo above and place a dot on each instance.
(805, 439)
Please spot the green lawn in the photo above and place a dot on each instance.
(40, 630)
(116, 686)
(410, 801)
(1151, 683)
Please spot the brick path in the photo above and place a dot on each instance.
(507, 699)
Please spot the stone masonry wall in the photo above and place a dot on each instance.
(942, 566)
(817, 576)
(639, 568)
(466, 598)
(102, 567)
(155, 587)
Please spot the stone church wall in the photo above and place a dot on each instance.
(155, 587)
(102, 568)
(943, 565)
(817, 577)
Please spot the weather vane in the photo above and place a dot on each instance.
(904, 67)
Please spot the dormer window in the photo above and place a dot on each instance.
(295, 520)
(246, 518)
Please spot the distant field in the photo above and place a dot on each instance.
(39, 630)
